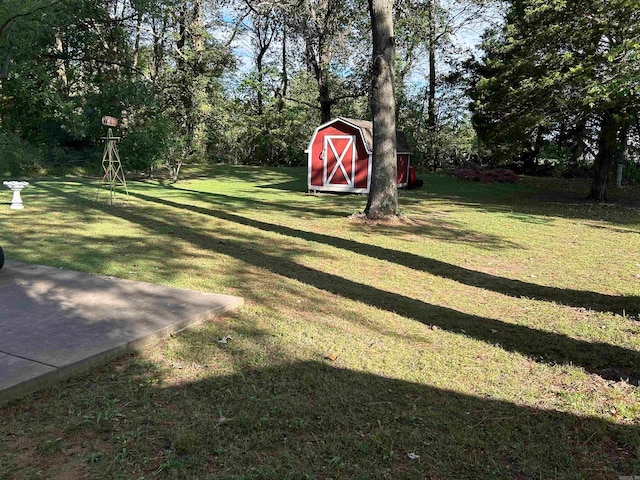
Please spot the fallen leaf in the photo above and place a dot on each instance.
(331, 357)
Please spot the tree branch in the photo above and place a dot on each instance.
(10, 20)
(302, 102)
(347, 95)
(91, 59)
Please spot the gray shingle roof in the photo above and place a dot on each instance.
(402, 146)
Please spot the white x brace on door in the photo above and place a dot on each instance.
(335, 150)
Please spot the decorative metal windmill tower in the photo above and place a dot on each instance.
(111, 166)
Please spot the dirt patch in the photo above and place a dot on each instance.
(59, 457)
(389, 221)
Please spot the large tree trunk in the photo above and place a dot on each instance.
(324, 94)
(624, 143)
(260, 72)
(432, 153)
(607, 140)
(325, 103)
(383, 194)
(136, 44)
(320, 68)
(61, 64)
(530, 155)
(317, 32)
(263, 29)
(198, 95)
(182, 71)
(199, 40)
(578, 144)
(281, 93)
(158, 30)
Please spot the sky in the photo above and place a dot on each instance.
(467, 36)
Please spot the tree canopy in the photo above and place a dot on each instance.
(245, 81)
(564, 72)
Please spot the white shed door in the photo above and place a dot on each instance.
(339, 160)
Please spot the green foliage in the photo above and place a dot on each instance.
(554, 151)
(164, 69)
(277, 136)
(55, 98)
(19, 157)
(146, 144)
(176, 92)
(454, 140)
(565, 71)
(631, 172)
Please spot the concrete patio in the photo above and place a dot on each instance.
(56, 323)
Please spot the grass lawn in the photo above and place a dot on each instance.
(493, 332)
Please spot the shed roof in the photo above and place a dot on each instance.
(366, 126)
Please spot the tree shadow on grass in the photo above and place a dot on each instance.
(310, 420)
(243, 173)
(505, 286)
(253, 204)
(446, 231)
(609, 361)
(537, 197)
(331, 422)
(297, 185)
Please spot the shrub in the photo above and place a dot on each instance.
(631, 173)
(496, 175)
(145, 145)
(19, 157)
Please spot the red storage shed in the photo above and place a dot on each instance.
(340, 153)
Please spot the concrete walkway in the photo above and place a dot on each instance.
(56, 323)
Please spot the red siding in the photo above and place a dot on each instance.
(403, 166)
(362, 157)
(338, 180)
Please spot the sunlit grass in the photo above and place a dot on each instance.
(493, 331)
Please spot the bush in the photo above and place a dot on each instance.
(145, 145)
(19, 157)
(631, 173)
(496, 175)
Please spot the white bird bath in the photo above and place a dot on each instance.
(16, 188)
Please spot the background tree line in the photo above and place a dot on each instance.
(247, 81)
(560, 82)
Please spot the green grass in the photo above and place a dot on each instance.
(493, 332)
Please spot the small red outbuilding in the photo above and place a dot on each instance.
(340, 153)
